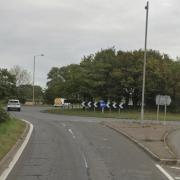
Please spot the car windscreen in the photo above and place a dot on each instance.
(13, 102)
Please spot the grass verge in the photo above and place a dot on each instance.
(149, 115)
(10, 132)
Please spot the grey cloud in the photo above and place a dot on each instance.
(67, 30)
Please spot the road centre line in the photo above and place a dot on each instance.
(85, 161)
(72, 133)
(64, 124)
(84, 158)
(164, 172)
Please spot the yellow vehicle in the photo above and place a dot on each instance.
(60, 102)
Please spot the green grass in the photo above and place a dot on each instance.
(149, 115)
(10, 131)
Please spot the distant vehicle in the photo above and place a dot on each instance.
(61, 102)
(13, 104)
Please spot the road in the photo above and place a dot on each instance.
(79, 148)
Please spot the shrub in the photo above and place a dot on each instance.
(3, 115)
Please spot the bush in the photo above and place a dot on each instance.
(3, 115)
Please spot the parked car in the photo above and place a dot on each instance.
(13, 104)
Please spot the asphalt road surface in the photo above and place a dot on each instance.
(79, 148)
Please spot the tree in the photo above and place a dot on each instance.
(22, 76)
(7, 84)
(24, 93)
(173, 83)
(113, 75)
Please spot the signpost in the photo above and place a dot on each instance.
(108, 105)
(162, 101)
(114, 105)
(121, 106)
(102, 105)
(83, 104)
(95, 105)
(89, 104)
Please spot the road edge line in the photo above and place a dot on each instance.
(164, 172)
(17, 155)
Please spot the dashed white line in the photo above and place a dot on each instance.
(64, 124)
(85, 161)
(72, 133)
(84, 158)
(164, 172)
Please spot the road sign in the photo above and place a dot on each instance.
(95, 104)
(108, 105)
(114, 105)
(130, 103)
(83, 104)
(121, 105)
(102, 104)
(89, 104)
(163, 100)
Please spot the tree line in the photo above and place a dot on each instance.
(108, 74)
(16, 83)
(113, 75)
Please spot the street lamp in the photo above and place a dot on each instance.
(144, 67)
(34, 74)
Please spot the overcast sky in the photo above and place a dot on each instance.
(66, 30)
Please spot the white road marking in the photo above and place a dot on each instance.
(72, 133)
(6, 172)
(164, 172)
(105, 147)
(174, 167)
(177, 177)
(85, 161)
(64, 124)
(105, 139)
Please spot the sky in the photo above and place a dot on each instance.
(66, 30)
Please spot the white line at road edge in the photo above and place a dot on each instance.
(164, 172)
(72, 133)
(177, 177)
(6, 172)
(174, 167)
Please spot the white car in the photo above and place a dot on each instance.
(13, 104)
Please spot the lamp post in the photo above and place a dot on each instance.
(144, 67)
(34, 74)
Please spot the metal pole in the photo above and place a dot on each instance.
(165, 111)
(33, 78)
(144, 67)
(158, 112)
(33, 99)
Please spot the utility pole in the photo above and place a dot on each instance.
(145, 57)
(34, 65)
(33, 78)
